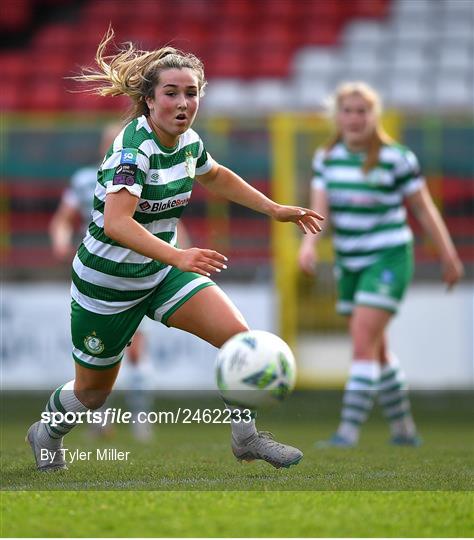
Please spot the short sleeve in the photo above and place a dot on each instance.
(72, 194)
(204, 161)
(126, 165)
(408, 177)
(317, 181)
(70, 198)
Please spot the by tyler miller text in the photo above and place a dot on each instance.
(100, 454)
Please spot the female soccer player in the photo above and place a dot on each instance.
(127, 265)
(361, 179)
(76, 207)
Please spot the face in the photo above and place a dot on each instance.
(174, 105)
(356, 120)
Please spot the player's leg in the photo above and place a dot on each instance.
(138, 395)
(394, 400)
(88, 391)
(377, 296)
(208, 313)
(347, 283)
(212, 316)
(367, 325)
(98, 343)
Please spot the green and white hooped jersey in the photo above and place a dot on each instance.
(109, 278)
(366, 210)
(80, 192)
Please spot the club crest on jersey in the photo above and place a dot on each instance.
(94, 344)
(190, 165)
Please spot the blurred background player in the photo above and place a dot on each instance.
(76, 208)
(361, 180)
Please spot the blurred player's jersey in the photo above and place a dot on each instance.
(80, 193)
(366, 210)
(107, 277)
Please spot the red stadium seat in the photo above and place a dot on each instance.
(15, 15)
(370, 8)
(279, 34)
(11, 96)
(15, 65)
(270, 61)
(54, 37)
(319, 32)
(53, 65)
(226, 63)
(248, 40)
(44, 96)
(278, 10)
(242, 10)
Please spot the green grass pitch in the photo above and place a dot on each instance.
(186, 482)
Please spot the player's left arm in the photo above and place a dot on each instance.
(225, 183)
(423, 207)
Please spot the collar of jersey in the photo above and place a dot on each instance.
(353, 154)
(162, 147)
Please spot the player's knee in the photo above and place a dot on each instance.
(239, 325)
(92, 399)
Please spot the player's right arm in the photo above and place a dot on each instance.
(307, 257)
(120, 226)
(61, 229)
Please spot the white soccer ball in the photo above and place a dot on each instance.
(255, 369)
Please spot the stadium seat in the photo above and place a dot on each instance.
(411, 59)
(238, 11)
(457, 28)
(457, 56)
(319, 31)
(412, 31)
(369, 8)
(11, 96)
(365, 58)
(55, 64)
(280, 34)
(269, 61)
(282, 9)
(15, 15)
(409, 8)
(311, 93)
(311, 61)
(360, 33)
(270, 95)
(15, 65)
(227, 63)
(408, 91)
(225, 95)
(454, 92)
(44, 96)
(54, 38)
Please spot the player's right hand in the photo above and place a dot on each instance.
(63, 252)
(452, 270)
(201, 261)
(307, 258)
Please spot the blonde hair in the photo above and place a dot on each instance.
(379, 136)
(135, 73)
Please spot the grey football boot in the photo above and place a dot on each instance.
(263, 446)
(55, 457)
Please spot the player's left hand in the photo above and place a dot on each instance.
(306, 219)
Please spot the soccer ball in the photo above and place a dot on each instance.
(255, 369)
